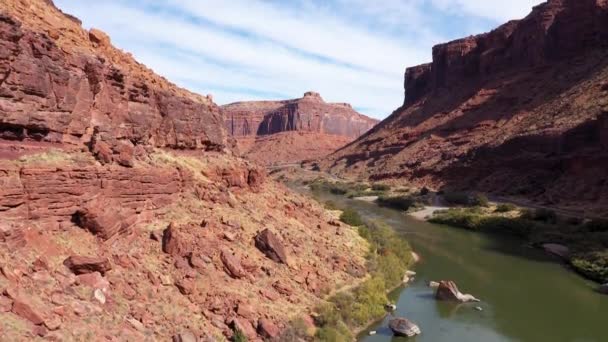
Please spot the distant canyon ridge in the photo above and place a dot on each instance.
(290, 131)
(521, 111)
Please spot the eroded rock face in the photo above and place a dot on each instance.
(281, 132)
(98, 154)
(268, 243)
(309, 113)
(85, 264)
(54, 93)
(490, 114)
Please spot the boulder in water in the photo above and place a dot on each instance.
(447, 290)
(403, 327)
(604, 289)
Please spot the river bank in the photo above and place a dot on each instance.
(523, 291)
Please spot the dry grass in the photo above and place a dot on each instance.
(196, 165)
(57, 157)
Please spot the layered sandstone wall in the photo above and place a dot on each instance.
(554, 30)
(309, 114)
(65, 91)
(519, 111)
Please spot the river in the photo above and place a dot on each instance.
(526, 295)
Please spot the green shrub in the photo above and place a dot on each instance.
(331, 205)
(239, 336)
(597, 226)
(505, 208)
(507, 225)
(363, 193)
(480, 200)
(593, 265)
(457, 198)
(351, 217)
(381, 187)
(397, 202)
(540, 214)
(458, 217)
(474, 219)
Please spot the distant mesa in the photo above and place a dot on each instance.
(287, 131)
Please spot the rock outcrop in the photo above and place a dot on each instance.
(404, 327)
(268, 243)
(309, 114)
(293, 130)
(521, 111)
(447, 290)
(118, 191)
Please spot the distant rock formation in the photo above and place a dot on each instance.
(309, 113)
(290, 131)
(521, 111)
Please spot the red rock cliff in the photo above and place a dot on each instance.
(63, 85)
(308, 114)
(123, 212)
(519, 111)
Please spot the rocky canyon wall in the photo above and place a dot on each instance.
(124, 212)
(519, 111)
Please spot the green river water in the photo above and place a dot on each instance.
(526, 295)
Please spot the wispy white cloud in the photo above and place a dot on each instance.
(349, 50)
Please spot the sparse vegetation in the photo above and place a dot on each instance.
(396, 202)
(330, 205)
(541, 214)
(466, 199)
(588, 242)
(381, 187)
(239, 336)
(388, 259)
(351, 217)
(505, 208)
(57, 157)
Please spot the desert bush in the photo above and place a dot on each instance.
(351, 217)
(540, 214)
(457, 198)
(480, 200)
(505, 208)
(239, 336)
(396, 202)
(593, 265)
(381, 187)
(330, 205)
(597, 226)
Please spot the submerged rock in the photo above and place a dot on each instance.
(557, 250)
(447, 290)
(403, 327)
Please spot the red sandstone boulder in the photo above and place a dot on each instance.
(268, 243)
(447, 290)
(173, 242)
(244, 326)
(104, 218)
(27, 311)
(83, 264)
(267, 329)
(232, 264)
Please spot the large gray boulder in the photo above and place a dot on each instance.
(403, 327)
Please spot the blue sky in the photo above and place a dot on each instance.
(352, 51)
